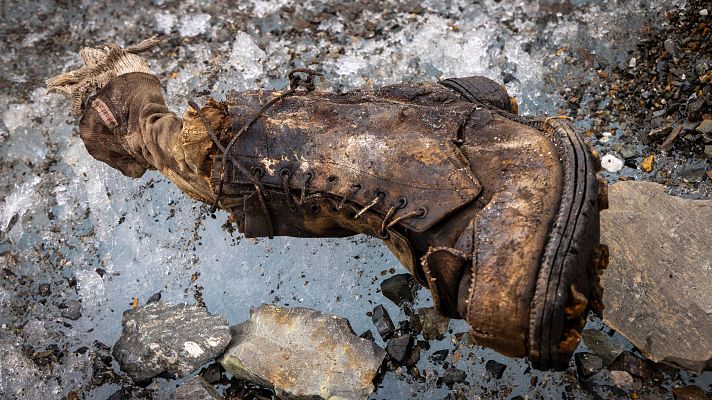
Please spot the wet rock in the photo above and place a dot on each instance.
(175, 339)
(453, 375)
(197, 388)
(658, 285)
(399, 348)
(439, 356)
(495, 369)
(120, 394)
(340, 364)
(587, 364)
(433, 324)
(691, 392)
(399, 289)
(602, 345)
(73, 310)
(633, 364)
(621, 379)
(213, 373)
(611, 163)
(382, 321)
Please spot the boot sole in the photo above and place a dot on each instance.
(567, 275)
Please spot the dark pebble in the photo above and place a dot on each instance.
(439, 356)
(155, 298)
(399, 289)
(367, 335)
(119, 395)
(634, 365)
(452, 376)
(382, 321)
(398, 348)
(587, 364)
(213, 373)
(495, 369)
(44, 289)
(73, 310)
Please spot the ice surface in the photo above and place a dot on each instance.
(99, 237)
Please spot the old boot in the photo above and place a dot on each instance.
(497, 214)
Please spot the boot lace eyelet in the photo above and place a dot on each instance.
(423, 212)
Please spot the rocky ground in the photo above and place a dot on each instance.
(80, 244)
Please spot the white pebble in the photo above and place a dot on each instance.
(704, 12)
(611, 163)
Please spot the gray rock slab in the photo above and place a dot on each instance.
(658, 285)
(197, 388)
(303, 353)
(176, 339)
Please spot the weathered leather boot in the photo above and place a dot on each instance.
(495, 213)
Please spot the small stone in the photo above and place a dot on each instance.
(633, 364)
(691, 392)
(44, 289)
(439, 356)
(453, 375)
(704, 12)
(176, 339)
(119, 395)
(434, 325)
(708, 150)
(399, 289)
(611, 163)
(628, 151)
(601, 345)
(413, 357)
(197, 388)
(705, 126)
(399, 348)
(73, 310)
(302, 353)
(621, 379)
(587, 364)
(213, 373)
(368, 335)
(670, 46)
(659, 134)
(495, 369)
(155, 298)
(382, 321)
(647, 164)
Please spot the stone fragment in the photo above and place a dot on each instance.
(382, 321)
(400, 289)
(621, 379)
(399, 348)
(659, 133)
(439, 355)
(302, 353)
(73, 310)
(433, 324)
(197, 388)
(647, 164)
(495, 369)
(587, 364)
(633, 364)
(658, 285)
(452, 376)
(611, 163)
(213, 373)
(691, 392)
(176, 339)
(705, 126)
(601, 345)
